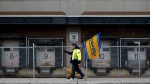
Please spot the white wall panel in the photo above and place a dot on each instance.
(83, 6)
(148, 5)
(135, 5)
(79, 7)
(75, 7)
(11, 5)
(64, 5)
(105, 5)
(32, 5)
(51, 5)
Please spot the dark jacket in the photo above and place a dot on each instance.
(70, 53)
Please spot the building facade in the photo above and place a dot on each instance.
(73, 21)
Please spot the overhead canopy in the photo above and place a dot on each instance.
(10, 35)
(88, 18)
(46, 41)
(131, 41)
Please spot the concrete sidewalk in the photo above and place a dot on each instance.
(77, 81)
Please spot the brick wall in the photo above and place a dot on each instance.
(121, 31)
(59, 31)
(37, 31)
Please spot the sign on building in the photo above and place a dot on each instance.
(73, 37)
(10, 55)
(45, 57)
(104, 58)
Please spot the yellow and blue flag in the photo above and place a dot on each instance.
(92, 47)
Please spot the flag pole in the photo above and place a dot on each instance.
(85, 61)
(90, 46)
(86, 67)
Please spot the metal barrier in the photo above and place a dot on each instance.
(51, 61)
(131, 62)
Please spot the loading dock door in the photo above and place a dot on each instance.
(45, 57)
(133, 57)
(104, 58)
(10, 56)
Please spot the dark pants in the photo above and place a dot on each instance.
(76, 68)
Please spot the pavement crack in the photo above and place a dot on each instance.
(119, 81)
(37, 80)
(32, 81)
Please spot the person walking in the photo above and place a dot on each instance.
(75, 60)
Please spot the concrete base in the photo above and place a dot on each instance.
(77, 81)
(26, 72)
(119, 73)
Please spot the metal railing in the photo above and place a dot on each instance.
(51, 61)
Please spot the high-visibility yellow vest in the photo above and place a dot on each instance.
(76, 54)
